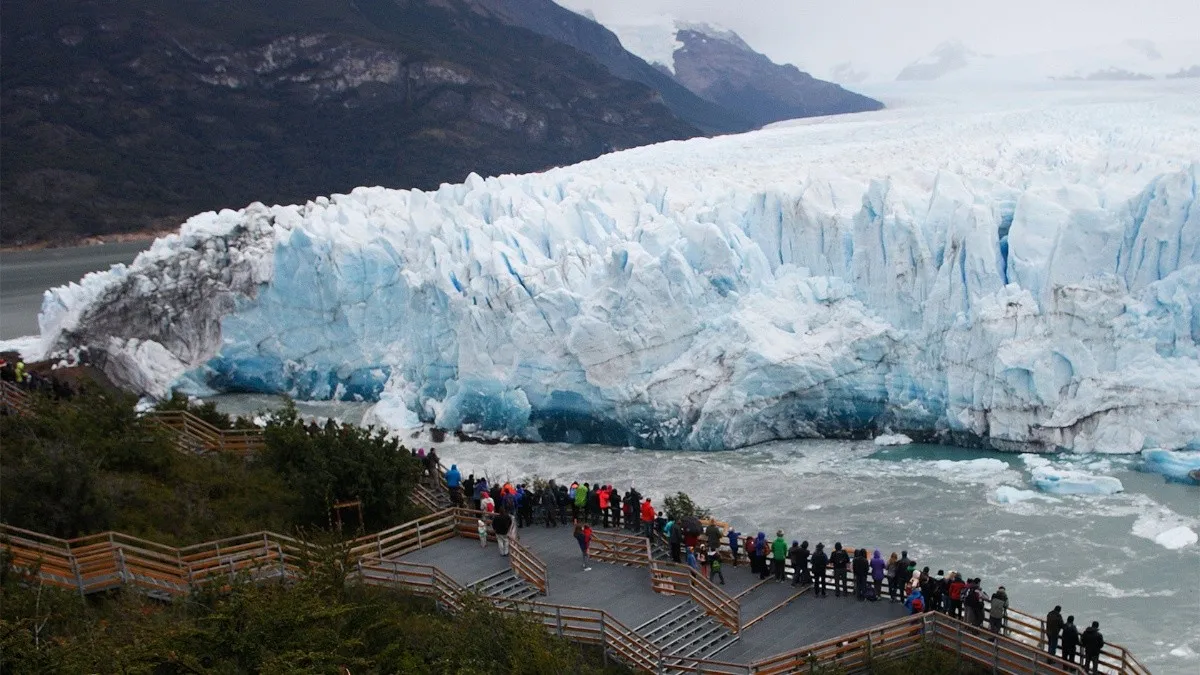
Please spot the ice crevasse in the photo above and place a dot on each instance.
(1028, 278)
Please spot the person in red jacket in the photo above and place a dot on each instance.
(647, 518)
(957, 586)
(605, 495)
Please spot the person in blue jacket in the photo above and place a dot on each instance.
(454, 482)
(734, 537)
(915, 601)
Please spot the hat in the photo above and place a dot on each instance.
(778, 533)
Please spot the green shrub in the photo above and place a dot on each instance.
(681, 506)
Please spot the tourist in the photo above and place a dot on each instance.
(549, 502)
(478, 490)
(583, 536)
(481, 528)
(486, 503)
(614, 506)
(1054, 626)
(714, 567)
(675, 540)
(957, 586)
(840, 560)
(902, 574)
(593, 505)
(793, 555)
(604, 496)
(861, 568)
(779, 549)
(712, 537)
(805, 576)
(819, 562)
(752, 554)
(914, 581)
(432, 463)
(762, 548)
(564, 500)
(893, 574)
(647, 519)
(998, 609)
(734, 538)
(878, 571)
(580, 502)
(660, 521)
(973, 600)
(691, 560)
(526, 498)
(1070, 639)
(915, 602)
(702, 559)
(502, 525)
(454, 483)
(1092, 642)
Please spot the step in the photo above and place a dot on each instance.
(671, 621)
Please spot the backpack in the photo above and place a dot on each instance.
(918, 605)
(869, 592)
(974, 600)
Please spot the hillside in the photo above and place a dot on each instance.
(126, 115)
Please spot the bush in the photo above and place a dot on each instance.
(336, 462)
(682, 506)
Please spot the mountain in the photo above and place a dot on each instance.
(947, 58)
(124, 115)
(1130, 60)
(720, 67)
(836, 279)
(547, 18)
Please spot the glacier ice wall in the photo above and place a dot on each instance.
(1027, 277)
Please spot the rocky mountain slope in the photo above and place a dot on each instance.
(129, 114)
(720, 67)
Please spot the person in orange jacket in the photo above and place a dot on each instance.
(647, 518)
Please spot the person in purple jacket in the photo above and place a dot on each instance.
(878, 570)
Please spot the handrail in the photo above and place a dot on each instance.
(14, 398)
(619, 548)
(211, 438)
(527, 565)
(674, 579)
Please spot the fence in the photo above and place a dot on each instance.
(193, 434)
(13, 399)
(620, 548)
(674, 579)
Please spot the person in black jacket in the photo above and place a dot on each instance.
(675, 539)
(1070, 639)
(840, 560)
(1054, 626)
(862, 567)
(819, 562)
(1092, 642)
(614, 507)
(805, 576)
(501, 525)
(797, 563)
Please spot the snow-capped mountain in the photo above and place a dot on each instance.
(1029, 277)
(719, 66)
(1128, 61)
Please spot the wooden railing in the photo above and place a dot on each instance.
(527, 566)
(1031, 630)
(620, 548)
(408, 537)
(193, 434)
(674, 579)
(14, 399)
(111, 559)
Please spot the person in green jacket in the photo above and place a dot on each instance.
(779, 550)
(581, 495)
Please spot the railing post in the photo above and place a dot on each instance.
(870, 649)
(603, 639)
(996, 656)
(558, 620)
(75, 569)
(282, 562)
(958, 648)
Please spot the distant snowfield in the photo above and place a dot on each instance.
(1018, 266)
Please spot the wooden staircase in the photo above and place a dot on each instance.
(685, 631)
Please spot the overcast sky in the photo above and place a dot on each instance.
(876, 34)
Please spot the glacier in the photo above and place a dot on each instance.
(1020, 272)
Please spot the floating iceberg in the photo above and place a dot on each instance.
(1026, 278)
(1071, 482)
(1178, 466)
(892, 439)
(1176, 537)
(1007, 494)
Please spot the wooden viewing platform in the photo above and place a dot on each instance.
(652, 615)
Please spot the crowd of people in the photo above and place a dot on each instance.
(707, 547)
